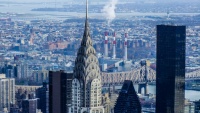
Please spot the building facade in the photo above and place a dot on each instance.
(170, 72)
(59, 91)
(128, 101)
(86, 85)
(29, 106)
(7, 92)
(40, 76)
(43, 95)
(197, 106)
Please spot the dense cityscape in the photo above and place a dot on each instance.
(54, 59)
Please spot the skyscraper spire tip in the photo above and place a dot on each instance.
(86, 9)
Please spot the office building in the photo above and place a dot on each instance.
(14, 109)
(43, 95)
(30, 105)
(7, 92)
(25, 72)
(69, 91)
(59, 91)
(9, 70)
(128, 101)
(40, 76)
(197, 106)
(86, 85)
(170, 72)
(189, 107)
(106, 102)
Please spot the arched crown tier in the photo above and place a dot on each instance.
(85, 51)
(86, 64)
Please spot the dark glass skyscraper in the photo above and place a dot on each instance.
(170, 72)
(60, 91)
(43, 95)
(197, 106)
(128, 101)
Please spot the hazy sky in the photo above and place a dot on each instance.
(94, 0)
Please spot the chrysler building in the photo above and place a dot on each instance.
(86, 85)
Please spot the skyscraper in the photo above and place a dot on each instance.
(29, 105)
(86, 85)
(59, 91)
(128, 101)
(43, 95)
(7, 92)
(197, 106)
(170, 72)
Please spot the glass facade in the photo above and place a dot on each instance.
(170, 71)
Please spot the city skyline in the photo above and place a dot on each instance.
(63, 59)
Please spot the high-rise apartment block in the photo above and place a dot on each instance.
(7, 92)
(170, 72)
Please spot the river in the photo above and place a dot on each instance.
(28, 14)
(189, 94)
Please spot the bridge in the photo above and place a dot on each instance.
(142, 76)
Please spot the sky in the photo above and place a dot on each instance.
(94, 0)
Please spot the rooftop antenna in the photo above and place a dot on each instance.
(167, 20)
(168, 15)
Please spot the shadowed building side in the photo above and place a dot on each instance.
(170, 71)
(59, 91)
(128, 101)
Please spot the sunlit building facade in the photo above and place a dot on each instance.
(86, 85)
(7, 92)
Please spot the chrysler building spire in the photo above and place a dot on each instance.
(86, 85)
(86, 9)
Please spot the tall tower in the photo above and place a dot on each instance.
(170, 72)
(86, 85)
(125, 46)
(7, 92)
(106, 45)
(31, 37)
(29, 105)
(43, 94)
(114, 45)
(127, 101)
(58, 89)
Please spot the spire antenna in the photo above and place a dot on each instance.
(86, 9)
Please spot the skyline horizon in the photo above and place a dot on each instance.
(104, 1)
